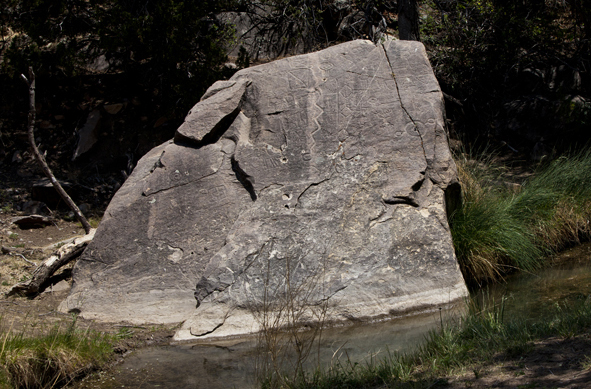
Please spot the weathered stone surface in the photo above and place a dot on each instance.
(218, 108)
(318, 180)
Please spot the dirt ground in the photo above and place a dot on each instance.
(25, 248)
(551, 363)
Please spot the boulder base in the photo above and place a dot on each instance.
(308, 189)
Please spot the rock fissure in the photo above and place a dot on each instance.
(381, 221)
(265, 188)
(416, 187)
(416, 127)
(205, 333)
(308, 187)
(159, 164)
(148, 192)
(394, 200)
(350, 158)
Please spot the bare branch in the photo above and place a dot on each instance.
(41, 159)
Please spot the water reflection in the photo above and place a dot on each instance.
(232, 364)
(532, 295)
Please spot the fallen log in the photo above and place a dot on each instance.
(49, 266)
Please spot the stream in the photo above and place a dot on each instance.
(232, 363)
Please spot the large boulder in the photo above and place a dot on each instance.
(315, 185)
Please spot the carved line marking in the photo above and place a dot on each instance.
(219, 193)
(361, 98)
(295, 82)
(318, 112)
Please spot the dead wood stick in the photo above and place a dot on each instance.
(44, 166)
(23, 257)
(46, 270)
(61, 257)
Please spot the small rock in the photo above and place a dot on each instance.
(34, 207)
(17, 157)
(44, 191)
(100, 64)
(84, 207)
(160, 122)
(46, 125)
(113, 109)
(87, 135)
(24, 173)
(32, 221)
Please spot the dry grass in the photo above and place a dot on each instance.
(291, 314)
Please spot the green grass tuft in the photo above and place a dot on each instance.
(498, 229)
(51, 358)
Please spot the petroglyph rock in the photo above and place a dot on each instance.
(320, 179)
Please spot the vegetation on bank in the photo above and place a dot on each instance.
(502, 227)
(481, 337)
(51, 358)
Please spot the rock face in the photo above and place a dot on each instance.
(314, 185)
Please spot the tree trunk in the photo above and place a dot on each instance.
(41, 159)
(408, 20)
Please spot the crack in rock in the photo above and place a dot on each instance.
(308, 187)
(402, 104)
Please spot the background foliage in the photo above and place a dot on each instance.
(513, 72)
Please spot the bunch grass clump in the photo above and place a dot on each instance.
(499, 228)
(51, 358)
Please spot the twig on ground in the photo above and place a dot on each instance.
(23, 257)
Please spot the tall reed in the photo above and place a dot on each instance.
(499, 228)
